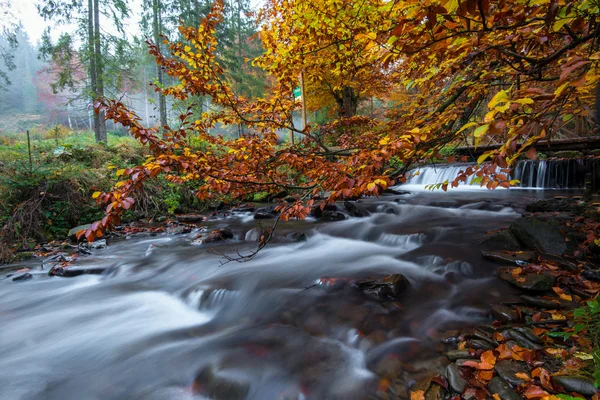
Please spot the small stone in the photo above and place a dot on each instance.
(457, 382)
(499, 386)
(540, 302)
(454, 355)
(508, 369)
(435, 392)
(218, 235)
(21, 278)
(388, 288)
(513, 257)
(503, 313)
(591, 275)
(480, 344)
(253, 235)
(521, 339)
(575, 384)
(530, 281)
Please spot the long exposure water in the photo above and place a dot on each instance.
(167, 321)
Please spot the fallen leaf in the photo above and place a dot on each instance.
(417, 395)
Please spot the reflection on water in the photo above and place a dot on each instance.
(172, 323)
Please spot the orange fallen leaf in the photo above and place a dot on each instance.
(484, 375)
(384, 385)
(534, 392)
(488, 360)
(523, 376)
(496, 397)
(417, 395)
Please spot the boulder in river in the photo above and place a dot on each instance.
(73, 272)
(218, 235)
(528, 281)
(266, 213)
(354, 209)
(500, 240)
(328, 215)
(539, 235)
(24, 277)
(253, 235)
(219, 386)
(389, 288)
(504, 313)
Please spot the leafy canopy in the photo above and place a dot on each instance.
(448, 70)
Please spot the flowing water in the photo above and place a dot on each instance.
(538, 174)
(167, 321)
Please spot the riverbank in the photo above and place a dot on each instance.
(546, 345)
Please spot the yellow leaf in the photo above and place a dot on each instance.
(503, 108)
(483, 157)
(466, 126)
(524, 101)
(120, 172)
(538, 2)
(96, 195)
(414, 130)
(560, 89)
(479, 132)
(499, 97)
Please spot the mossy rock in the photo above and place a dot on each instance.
(567, 154)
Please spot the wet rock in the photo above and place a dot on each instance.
(550, 205)
(575, 384)
(539, 235)
(317, 211)
(499, 386)
(263, 214)
(514, 257)
(73, 272)
(454, 379)
(220, 387)
(328, 215)
(530, 281)
(435, 392)
(24, 277)
(73, 231)
(253, 235)
(508, 369)
(297, 237)
(528, 333)
(396, 192)
(521, 339)
(190, 218)
(96, 245)
(388, 288)
(172, 230)
(540, 302)
(243, 208)
(454, 355)
(218, 235)
(503, 313)
(591, 275)
(354, 210)
(501, 240)
(480, 344)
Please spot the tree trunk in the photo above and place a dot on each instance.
(162, 102)
(101, 132)
(93, 81)
(349, 102)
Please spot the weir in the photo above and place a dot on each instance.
(582, 173)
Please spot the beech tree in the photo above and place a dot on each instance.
(454, 70)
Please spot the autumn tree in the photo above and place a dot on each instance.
(457, 69)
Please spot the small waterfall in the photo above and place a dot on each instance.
(538, 174)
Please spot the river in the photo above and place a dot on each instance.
(167, 321)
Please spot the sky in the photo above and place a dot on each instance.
(35, 25)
